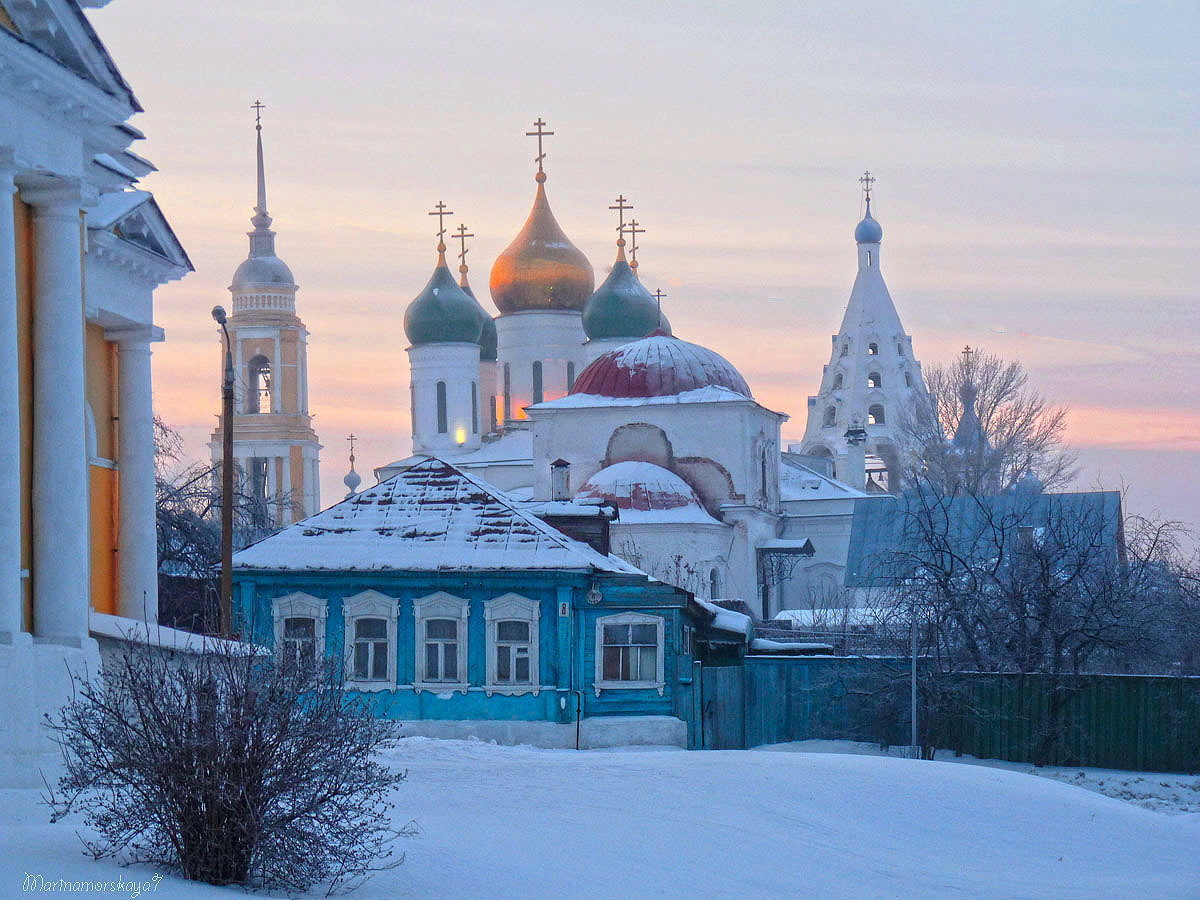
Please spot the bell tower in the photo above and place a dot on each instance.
(274, 444)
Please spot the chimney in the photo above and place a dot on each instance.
(560, 480)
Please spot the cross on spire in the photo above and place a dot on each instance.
(539, 134)
(621, 206)
(462, 236)
(966, 353)
(353, 437)
(866, 181)
(658, 295)
(258, 106)
(441, 212)
(634, 229)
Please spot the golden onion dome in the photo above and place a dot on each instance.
(541, 269)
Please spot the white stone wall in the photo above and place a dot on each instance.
(553, 338)
(457, 365)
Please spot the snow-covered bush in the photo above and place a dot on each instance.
(228, 768)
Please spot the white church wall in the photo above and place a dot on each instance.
(554, 338)
(457, 366)
(683, 554)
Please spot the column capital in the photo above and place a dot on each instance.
(134, 337)
(51, 195)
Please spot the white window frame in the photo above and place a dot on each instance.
(631, 618)
(370, 604)
(512, 608)
(299, 605)
(440, 605)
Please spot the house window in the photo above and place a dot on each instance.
(872, 349)
(299, 629)
(875, 414)
(874, 380)
(830, 416)
(370, 649)
(443, 425)
(441, 640)
(370, 640)
(629, 652)
(537, 382)
(258, 397)
(507, 393)
(474, 408)
(512, 644)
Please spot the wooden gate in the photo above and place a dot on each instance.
(723, 707)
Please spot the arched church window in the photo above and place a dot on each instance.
(845, 350)
(714, 584)
(474, 408)
(908, 379)
(837, 381)
(570, 377)
(258, 398)
(830, 416)
(443, 424)
(507, 393)
(762, 473)
(537, 381)
(875, 414)
(899, 348)
(874, 380)
(868, 259)
(872, 349)
(491, 413)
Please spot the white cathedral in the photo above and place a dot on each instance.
(579, 396)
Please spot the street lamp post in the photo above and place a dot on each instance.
(218, 315)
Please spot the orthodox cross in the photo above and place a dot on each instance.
(258, 106)
(441, 212)
(621, 206)
(539, 134)
(966, 353)
(634, 230)
(658, 295)
(866, 181)
(462, 236)
(352, 439)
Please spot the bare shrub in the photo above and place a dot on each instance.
(228, 768)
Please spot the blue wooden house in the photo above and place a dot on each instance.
(458, 611)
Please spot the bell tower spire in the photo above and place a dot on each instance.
(262, 238)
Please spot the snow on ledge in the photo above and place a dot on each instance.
(728, 620)
(122, 629)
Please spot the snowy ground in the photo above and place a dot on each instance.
(515, 821)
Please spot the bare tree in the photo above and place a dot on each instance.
(228, 768)
(1020, 431)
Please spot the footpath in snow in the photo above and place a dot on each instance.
(517, 821)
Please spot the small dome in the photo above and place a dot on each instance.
(644, 492)
(259, 270)
(868, 231)
(658, 366)
(541, 269)
(443, 312)
(487, 337)
(352, 481)
(621, 307)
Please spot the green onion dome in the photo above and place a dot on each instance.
(621, 307)
(443, 313)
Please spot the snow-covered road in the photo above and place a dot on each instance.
(518, 822)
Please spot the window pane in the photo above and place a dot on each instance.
(298, 628)
(612, 664)
(649, 664)
(522, 676)
(432, 673)
(512, 631)
(308, 653)
(360, 660)
(370, 628)
(503, 666)
(450, 662)
(645, 634)
(379, 669)
(626, 675)
(616, 634)
(441, 629)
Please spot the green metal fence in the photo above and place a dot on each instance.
(1145, 723)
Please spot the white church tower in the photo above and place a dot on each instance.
(872, 381)
(273, 440)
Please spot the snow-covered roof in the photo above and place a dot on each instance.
(645, 493)
(125, 629)
(829, 618)
(764, 645)
(728, 620)
(800, 482)
(431, 517)
(787, 545)
(707, 394)
(513, 446)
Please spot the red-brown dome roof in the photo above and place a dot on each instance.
(658, 366)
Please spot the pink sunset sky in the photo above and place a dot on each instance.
(1034, 162)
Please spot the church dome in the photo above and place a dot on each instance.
(621, 307)
(642, 492)
(541, 269)
(658, 366)
(260, 270)
(868, 231)
(443, 312)
(488, 340)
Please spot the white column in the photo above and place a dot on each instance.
(10, 421)
(137, 576)
(61, 583)
(287, 516)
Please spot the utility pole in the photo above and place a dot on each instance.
(218, 315)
